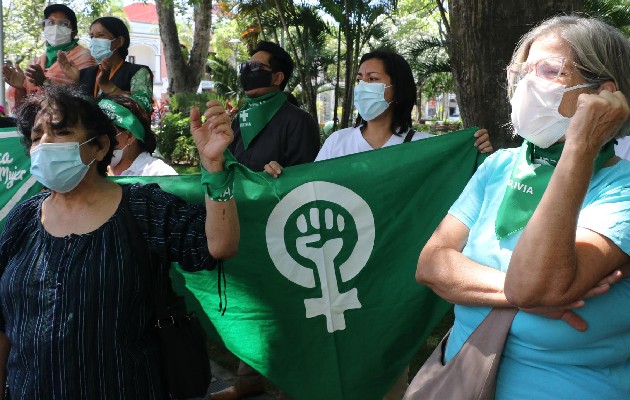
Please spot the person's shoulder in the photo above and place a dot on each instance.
(79, 50)
(419, 135)
(342, 134)
(26, 210)
(506, 155)
(296, 112)
(157, 167)
(500, 160)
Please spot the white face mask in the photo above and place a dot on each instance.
(535, 113)
(118, 154)
(117, 157)
(369, 99)
(57, 35)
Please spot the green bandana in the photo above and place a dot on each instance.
(51, 51)
(257, 112)
(528, 182)
(123, 118)
(144, 99)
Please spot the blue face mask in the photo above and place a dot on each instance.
(369, 99)
(58, 166)
(100, 48)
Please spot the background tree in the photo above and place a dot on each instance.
(359, 21)
(299, 28)
(185, 75)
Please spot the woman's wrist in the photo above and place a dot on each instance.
(219, 185)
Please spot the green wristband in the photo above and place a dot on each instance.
(219, 185)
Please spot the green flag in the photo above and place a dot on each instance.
(322, 298)
(16, 182)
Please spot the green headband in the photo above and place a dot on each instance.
(123, 118)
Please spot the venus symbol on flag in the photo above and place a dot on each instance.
(317, 220)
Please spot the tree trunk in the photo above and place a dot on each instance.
(349, 77)
(483, 35)
(184, 75)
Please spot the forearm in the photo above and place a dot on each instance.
(222, 228)
(544, 269)
(222, 225)
(459, 280)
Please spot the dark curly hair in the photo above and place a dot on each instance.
(75, 109)
(404, 88)
(150, 139)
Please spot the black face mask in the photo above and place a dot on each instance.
(255, 79)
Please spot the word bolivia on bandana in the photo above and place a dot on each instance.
(520, 186)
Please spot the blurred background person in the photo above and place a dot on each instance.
(135, 140)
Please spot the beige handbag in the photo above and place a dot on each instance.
(472, 373)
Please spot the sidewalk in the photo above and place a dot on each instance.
(222, 378)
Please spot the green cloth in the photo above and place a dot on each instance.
(344, 233)
(123, 118)
(51, 51)
(141, 88)
(530, 176)
(16, 182)
(144, 99)
(257, 112)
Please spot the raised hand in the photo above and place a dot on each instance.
(35, 74)
(483, 141)
(212, 136)
(597, 120)
(273, 168)
(14, 76)
(67, 67)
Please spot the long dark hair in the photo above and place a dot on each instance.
(403, 84)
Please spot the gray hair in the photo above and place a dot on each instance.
(601, 52)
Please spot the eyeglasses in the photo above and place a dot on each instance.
(254, 66)
(549, 69)
(59, 22)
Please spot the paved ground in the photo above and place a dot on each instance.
(222, 378)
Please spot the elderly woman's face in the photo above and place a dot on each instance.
(553, 46)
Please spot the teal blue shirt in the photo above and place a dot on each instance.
(544, 358)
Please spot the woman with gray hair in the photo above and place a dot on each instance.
(545, 226)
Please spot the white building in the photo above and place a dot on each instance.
(145, 44)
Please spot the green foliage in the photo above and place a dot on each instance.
(613, 12)
(185, 151)
(183, 102)
(173, 126)
(226, 82)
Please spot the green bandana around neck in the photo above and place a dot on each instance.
(123, 118)
(51, 51)
(528, 182)
(257, 112)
